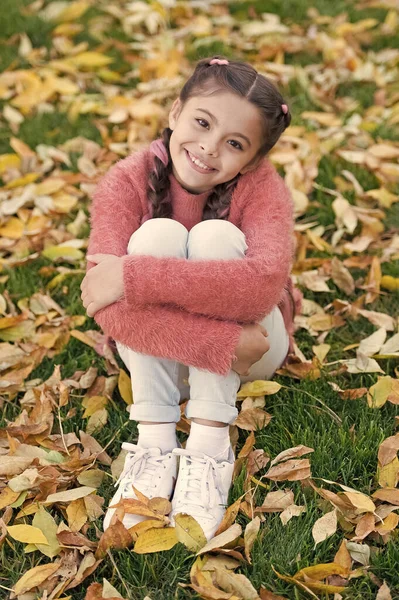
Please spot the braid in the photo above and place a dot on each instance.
(218, 203)
(159, 183)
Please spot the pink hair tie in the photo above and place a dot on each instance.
(157, 147)
(284, 108)
(219, 61)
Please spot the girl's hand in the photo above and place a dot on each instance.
(252, 345)
(103, 284)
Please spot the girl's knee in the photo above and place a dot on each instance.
(159, 237)
(216, 238)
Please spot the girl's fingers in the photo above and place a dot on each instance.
(91, 309)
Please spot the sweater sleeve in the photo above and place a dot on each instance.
(167, 332)
(244, 289)
(172, 333)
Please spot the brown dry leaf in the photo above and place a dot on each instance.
(223, 539)
(343, 557)
(342, 277)
(291, 470)
(236, 584)
(69, 495)
(229, 517)
(250, 534)
(34, 577)
(388, 449)
(116, 536)
(135, 507)
(324, 527)
(390, 495)
(291, 453)
(252, 419)
(384, 593)
(96, 591)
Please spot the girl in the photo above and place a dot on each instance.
(204, 289)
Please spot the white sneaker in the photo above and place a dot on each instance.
(150, 471)
(202, 488)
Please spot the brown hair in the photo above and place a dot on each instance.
(241, 79)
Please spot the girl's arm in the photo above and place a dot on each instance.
(160, 331)
(242, 290)
(172, 333)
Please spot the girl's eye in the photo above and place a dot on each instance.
(239, 147)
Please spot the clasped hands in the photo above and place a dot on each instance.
(103, 284)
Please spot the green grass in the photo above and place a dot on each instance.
(346, 454)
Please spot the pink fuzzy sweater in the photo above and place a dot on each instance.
(192, 311)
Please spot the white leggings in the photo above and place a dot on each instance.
(159, 384)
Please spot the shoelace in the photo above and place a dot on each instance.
(202, 480)
(140, 464)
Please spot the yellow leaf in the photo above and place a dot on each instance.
(49, 186)
(383, 196)
(97, 420)
(14, 229)
(142, 526)
(90, 60)
(156, 540)
(73, 12)
(62, 252)
(321, 571)
(93, 404)
(22, 181)
(7, 497)
(9, 161)
(379, 392)
(27, 534)
(125, 387)
(35, 577)
(82, 337)
(258, 388)
(390, 283)
(388, 474)
(189, 532)
(77, 515)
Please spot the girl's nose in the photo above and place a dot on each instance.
(210, 149)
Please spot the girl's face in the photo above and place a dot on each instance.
(222, 132)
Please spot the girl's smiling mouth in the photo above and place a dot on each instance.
(201, 167)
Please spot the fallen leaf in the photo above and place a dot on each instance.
(27, 534)
(189, 532)
(156, 540)
(35, 577)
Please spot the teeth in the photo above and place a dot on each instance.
(199, 163)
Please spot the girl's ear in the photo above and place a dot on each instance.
(174, 113)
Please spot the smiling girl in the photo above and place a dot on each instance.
(190, 253)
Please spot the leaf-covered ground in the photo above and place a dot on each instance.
(313, 507)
